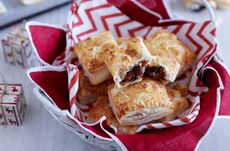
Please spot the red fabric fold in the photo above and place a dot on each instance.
(225, 94)
(55, 84)
(146, 17)
(141, 15)
(50, 42)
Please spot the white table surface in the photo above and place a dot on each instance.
(40, 132)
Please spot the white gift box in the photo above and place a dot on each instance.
(12, 104)
(17, 49)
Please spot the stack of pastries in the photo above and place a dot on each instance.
(128, 80)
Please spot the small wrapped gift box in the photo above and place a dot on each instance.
(17, 49)
(12, 104)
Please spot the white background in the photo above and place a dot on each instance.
(40, 132)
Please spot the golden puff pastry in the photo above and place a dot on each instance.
(120, 40)
(140, 103)
(102, 108)
(179, 103)
(183, 89)
(128, 61)
(168, 48)
(92, 53)
(88, 93)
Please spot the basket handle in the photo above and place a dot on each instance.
(210, 9)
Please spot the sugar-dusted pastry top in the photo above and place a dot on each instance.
(167, 46)
(142, 95)
(92, 51)
(102, 108)
(88, 93)
(130, 54)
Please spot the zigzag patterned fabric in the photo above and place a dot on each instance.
(90, 18)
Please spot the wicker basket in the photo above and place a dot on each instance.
(60, 116)
(63, 117)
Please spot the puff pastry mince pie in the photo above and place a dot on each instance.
(179, 103)
(102, 108)
(172, 56)
(92, 53)
(128, 61)
(139, 103)
(88, 93)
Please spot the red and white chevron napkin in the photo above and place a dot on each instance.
(208, 99)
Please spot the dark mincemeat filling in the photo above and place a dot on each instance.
(135, 73)
(157, 72)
